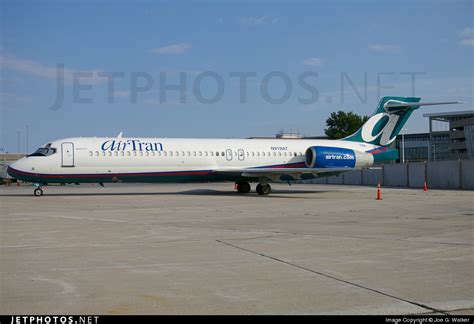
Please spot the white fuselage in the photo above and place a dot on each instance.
(88, 157)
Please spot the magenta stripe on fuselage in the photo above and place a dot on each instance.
(140, 174)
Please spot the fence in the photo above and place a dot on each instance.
(438, 174)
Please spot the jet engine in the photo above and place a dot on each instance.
(337, 157)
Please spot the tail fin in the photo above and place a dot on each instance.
(391, 115)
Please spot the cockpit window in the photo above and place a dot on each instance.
(44, 151)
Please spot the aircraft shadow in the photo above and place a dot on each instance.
(195, 192)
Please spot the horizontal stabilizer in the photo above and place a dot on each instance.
(393, 105)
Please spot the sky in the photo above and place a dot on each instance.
(225, 69)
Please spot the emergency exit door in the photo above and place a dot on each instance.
(67, 154)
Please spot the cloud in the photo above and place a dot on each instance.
(166, 103)
(468, 35)
(313, 61)
(172, 49)
(467, 32)
(9, 98)
(258, 20)
(385, 48)
(121, 94)
(38, 69)
(467, 42)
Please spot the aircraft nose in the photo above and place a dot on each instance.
(16, 168)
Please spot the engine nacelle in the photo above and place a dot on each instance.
(337, 157)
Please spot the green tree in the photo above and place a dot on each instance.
(342, 124)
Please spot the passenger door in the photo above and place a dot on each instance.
(67, 154)
(228, 155)
(241, 154)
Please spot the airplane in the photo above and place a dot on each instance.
(120, 159)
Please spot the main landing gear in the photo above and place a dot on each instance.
(262, 188)
(242, 187)
(38, 192)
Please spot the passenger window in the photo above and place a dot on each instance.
(248, 154)
(189, 153)
(182, 153)
(158, 153)
(253, 153)
(122, 153)
(171, 153)
(177, 153)
(90, 153)
(223, 153)
(279, 153)
(165, 153)
(258, 153)
(103, 153)
(217, 153)
(194, 153)
(128, 153)
(274, 154)
(147, 153)
(134, 153)
(200, 153)
(211, 153)
(110, 153)
(295, 153)
(96, 153)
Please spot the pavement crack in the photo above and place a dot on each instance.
(334, 278)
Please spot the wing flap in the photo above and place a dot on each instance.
(276, 173)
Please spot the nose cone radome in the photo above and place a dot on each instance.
(16, 168)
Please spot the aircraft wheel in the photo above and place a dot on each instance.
(38, 192)
(243, 187)
(263, 189)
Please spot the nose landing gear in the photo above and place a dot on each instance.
(38, 192)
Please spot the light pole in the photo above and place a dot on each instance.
(403, 144)
(27, 138)
(434, 151)
(18, 142)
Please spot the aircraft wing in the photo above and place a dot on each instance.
(276, 173)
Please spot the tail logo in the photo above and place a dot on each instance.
(386, 131)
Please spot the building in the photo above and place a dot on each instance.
(412, 147)
(288, 135)
(451, 135)
(5, 160)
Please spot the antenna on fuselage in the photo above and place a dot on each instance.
(120, 135)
